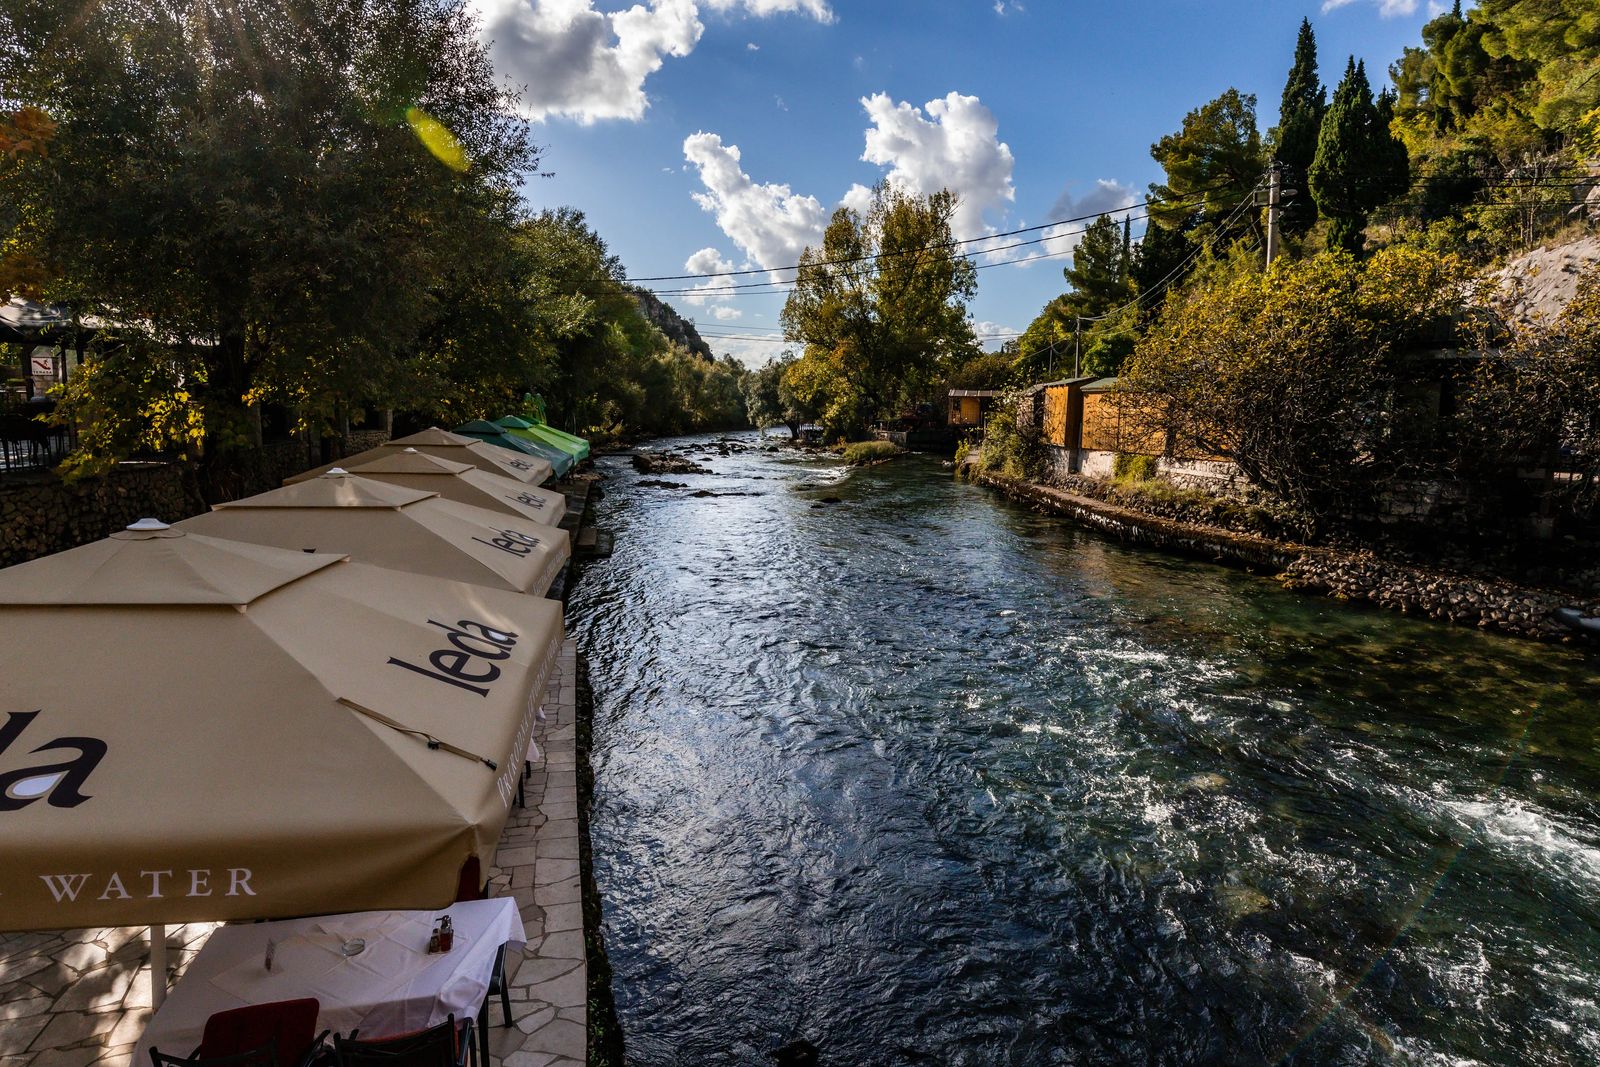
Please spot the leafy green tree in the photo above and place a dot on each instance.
(1293, 374)
(881, 308)
(275, 214)
(1359, 164)
(1212, 162)
(1558, 43)
(1294, 139)
(771, 403)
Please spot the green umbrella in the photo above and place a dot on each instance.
(489, 433)
(527, 430)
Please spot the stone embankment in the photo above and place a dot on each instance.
(1520, 611)
(1468, 601)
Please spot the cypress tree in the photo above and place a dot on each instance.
(1125, 264)
(1305, 102)
(1358, 164)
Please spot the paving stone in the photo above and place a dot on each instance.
(72, 1057)
(562, 848)
(516, 857)
(566, 945)
(528, 1059)
(97, 990)
(568, 991)
(83, 956)
(73, 1028)
(536, 1019)
(562, 1037)
(558, 893)
(556, 870)
(537, 971)
(15, 1037)
(23, 1009)
(560, 917)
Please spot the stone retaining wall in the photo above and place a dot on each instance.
(40, 516)
(1521, 611)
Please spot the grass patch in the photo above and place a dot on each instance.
(1127, 468)
(861, 453)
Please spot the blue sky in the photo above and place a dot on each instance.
(1032, 111)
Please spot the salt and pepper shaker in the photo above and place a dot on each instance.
(272, 947)
(435, 939)
(447, 935)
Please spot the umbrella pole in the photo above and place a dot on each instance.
(158, 966)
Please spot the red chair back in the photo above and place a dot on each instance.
(470, 885)
(291, 1023)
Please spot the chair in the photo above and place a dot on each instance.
(288, 1025)
(265, 1056)
(447, 1045)
(471, 887)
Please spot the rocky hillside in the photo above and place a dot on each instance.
(668, 321)
(1536, 286)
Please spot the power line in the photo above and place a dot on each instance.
(1149, 200)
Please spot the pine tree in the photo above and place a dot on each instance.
(1305, 102)
(1098, 280)
(1125, 264)
(1358, 164)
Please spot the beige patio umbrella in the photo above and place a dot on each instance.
(198, 729)
(393, 526)
(465, 484)
(454, 447)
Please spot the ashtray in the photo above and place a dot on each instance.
(353, 947)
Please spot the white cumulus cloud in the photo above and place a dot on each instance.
(1386, 8)
(709, 261)
(575, 62)
(723, 313)
(950, 143)
(769, 222)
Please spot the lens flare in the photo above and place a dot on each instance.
(436, 139)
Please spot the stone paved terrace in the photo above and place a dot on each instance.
(77, 997)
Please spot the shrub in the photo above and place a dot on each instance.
(860, 453)
(1126, 467)
(1010, 449)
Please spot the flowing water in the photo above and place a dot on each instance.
(924, 777)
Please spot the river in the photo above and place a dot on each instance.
(926, 778)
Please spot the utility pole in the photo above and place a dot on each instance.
(1274, 198)
(1276, 194)
(1077, 342)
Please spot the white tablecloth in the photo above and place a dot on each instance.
(392, 986)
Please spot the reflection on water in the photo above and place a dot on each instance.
(927, 778)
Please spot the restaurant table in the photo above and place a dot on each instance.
(392, 986)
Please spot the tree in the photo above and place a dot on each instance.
(769, 401)
(1161, 255)
(881, 308)
(1098, 274)
(1294, 374)
(1212, 162)
(267, 213)
(1359, 164)
(1294, 139)
(1534, 400)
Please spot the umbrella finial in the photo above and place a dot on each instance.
(331, 471)
(148, 526)
(412, 451)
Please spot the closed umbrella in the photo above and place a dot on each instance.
(393, 526)
(198, 729)
(487, 432)
(528, 430)
(465, 485)
(525, 467)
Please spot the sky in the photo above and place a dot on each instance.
(702, 137)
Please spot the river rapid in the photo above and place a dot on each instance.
(926, 778)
